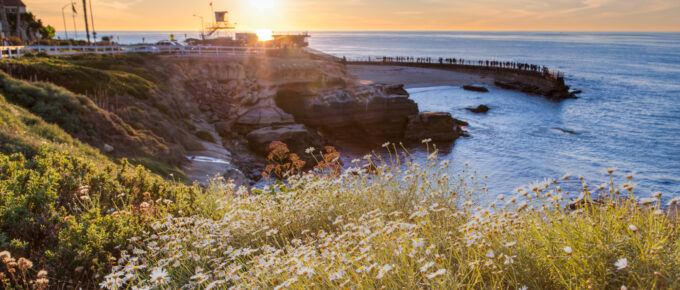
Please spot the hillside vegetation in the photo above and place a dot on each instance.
(116, 103)
(69, 209)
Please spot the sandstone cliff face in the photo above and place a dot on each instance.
(245, 95)
(253, 101)
(374, 113)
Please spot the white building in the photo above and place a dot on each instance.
(12, 5)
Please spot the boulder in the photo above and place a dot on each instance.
(476, 89)
(439, 127)
(296, 136)
(237, 177)
(262, 116)
(481, 109)
(223, 128)
(376, 113)
(397, 90)
(108, 148)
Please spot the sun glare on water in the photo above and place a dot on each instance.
(264, 34)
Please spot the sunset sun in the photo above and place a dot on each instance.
(264, 34)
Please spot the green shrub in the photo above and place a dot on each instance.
(52, 103)
(68, 208)
(78, 78)
(162, 169)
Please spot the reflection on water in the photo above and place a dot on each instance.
(207, 159)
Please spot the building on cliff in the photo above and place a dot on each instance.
(11, 6)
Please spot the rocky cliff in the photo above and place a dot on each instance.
(301, 101)
(242, 103)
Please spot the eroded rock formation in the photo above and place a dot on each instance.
(303, 102)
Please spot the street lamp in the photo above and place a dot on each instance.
(202, 27)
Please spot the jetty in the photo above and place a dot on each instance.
(524, 77)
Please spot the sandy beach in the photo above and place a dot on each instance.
(412, 77)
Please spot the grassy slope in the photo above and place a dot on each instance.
(64, 205)
(87, 75)
(128, 118)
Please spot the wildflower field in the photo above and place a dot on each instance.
(405, 225)
(73, 218)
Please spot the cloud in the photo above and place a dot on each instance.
(117, 5)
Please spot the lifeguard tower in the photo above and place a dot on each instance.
(222, 24)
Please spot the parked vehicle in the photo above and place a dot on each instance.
(150, 49)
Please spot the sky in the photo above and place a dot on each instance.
(282, 15)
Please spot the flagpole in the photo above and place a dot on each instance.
(212, 10)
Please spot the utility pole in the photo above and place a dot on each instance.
(87, 27)
(94, 31)
(63, 15)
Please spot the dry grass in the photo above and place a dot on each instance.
(407, 225)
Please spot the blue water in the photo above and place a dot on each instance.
(628, 116)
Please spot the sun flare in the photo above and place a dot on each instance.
(262, 4)
(264, 34)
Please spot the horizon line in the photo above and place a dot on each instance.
(395, 30)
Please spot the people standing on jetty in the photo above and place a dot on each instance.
(463, 62)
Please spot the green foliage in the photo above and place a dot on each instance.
(70, 209)
(52, 103)
(77, 76)
(206, 136)
(80, 212)
(23, 132)
(47, 32)
(162, 169)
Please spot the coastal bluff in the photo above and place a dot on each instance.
(299, 100)
(212, 114)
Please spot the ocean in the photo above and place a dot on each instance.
(627, 117)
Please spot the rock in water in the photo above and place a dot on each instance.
(481, 109)
(476, 89)
(376, 113)
(237, 177)
(440, 127)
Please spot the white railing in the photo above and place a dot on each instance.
(10, 51)
(165, 50)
